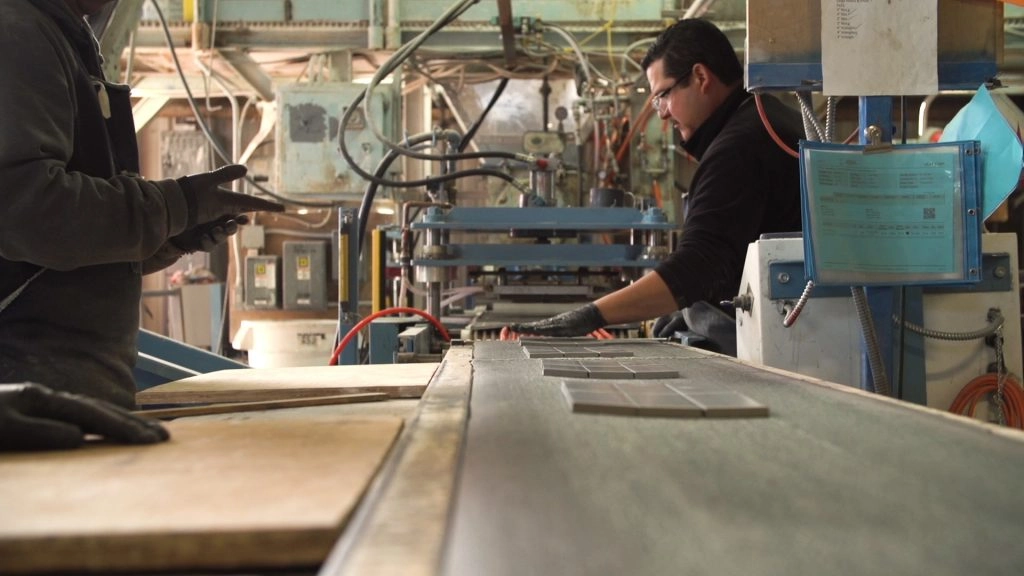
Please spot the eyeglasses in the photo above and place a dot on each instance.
(659, 98)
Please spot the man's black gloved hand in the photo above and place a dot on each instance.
(206, 237)
(207, 201)
(668, 325)
(578, 322)
(34, 417)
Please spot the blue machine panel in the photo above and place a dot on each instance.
(554, 218)
(541, 255)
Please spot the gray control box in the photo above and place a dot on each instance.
(305, 275)
(262, 282)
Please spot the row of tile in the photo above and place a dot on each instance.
(659, 399)
(608, 368)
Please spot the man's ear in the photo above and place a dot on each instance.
(702, 76)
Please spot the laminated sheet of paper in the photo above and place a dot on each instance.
(879, 47)
(893, 217)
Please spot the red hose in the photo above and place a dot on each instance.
(385, 312)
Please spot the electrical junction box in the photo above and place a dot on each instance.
(262, 282)
(305, 275)
(308, 160)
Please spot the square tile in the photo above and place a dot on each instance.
(610, 402)
(727, 404)
(541, 352)
(665, 404)
(651, 370)
(566, 372)
(609, 372)
(576, 352)
(586, 385)
(564, 367)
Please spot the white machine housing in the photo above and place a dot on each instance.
(825, 341)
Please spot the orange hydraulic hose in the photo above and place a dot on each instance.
(656, 191)
(768, 127)
(979, 389)
(642, 117)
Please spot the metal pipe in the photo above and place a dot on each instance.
(830, 118)
(434, 299)
(393, 29)
(233, 101)
(922, 114)
(375, 29)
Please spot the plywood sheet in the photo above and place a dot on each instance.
(259, 384)
(220, 494)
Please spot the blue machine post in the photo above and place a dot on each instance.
(908, 382)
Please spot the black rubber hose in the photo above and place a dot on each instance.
(382, 167)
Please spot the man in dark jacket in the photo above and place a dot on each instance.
(745, 186)
(78, 225)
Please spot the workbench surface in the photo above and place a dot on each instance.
(833, 482)
(493, 475)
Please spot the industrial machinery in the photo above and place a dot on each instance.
(579, 212)
(938, 358)
(521, 183)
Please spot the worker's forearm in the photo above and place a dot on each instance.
(648, 297)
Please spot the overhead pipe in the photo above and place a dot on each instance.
(375, 29)
(393, 30)
(922, 114)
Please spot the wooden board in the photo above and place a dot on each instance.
(259, 384)
(233, 407)
(220, 494)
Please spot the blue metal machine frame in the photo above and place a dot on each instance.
(163, 360)
(541, 220)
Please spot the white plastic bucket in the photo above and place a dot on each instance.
(284, 343)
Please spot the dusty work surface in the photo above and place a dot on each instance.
(260, 384)
(832, 483)
(228, 494)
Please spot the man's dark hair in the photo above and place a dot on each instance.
(695, 41)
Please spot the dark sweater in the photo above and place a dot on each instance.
(66, 206)
(745, 186)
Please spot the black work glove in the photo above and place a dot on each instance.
(34, 417)
(578, 322)
(206, 237)
(207, 201)
(203, 237)
(668, 325)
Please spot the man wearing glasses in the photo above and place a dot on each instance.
(745, 186)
